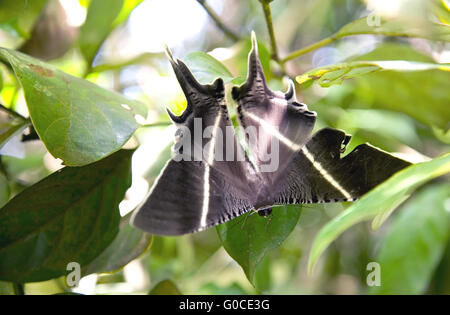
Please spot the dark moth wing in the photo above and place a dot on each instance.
(198, 188)
(272, 115)
(319, 174)
(188, 197)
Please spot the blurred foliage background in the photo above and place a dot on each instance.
(119, 46)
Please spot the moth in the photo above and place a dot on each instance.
(199, 190)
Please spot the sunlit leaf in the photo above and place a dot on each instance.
(165, 287)
(70, 216)
(382, 198)
(335, 74)
(102, 17)
(128, 6)
(421, 94)
(11, 128)
(17, 17)
(6, 288)
(77, 120)
(4, 190)
(206, 68)
(128, 245)
(415, 243)
(441, 8)
(248, 238)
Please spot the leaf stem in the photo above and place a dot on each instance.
(268, 15)
(11, 112)
(218, 22)
(18, 288)
(158, 124)
(309, 48)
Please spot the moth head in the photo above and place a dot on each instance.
(200, 97)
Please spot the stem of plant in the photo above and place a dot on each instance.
(158, 124)
(309, 48)
(19, 288)
(217, 20)
(268, 15)
(11, 112)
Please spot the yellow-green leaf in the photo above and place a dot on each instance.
(382, 198)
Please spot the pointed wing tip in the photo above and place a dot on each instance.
(169, 54)
(254, 41)
(173, 117)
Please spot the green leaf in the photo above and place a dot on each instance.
(441, 10)
(422, 95)
(127, 8)
(165, 287)
(335, 74)
(248, 238)
(17, 17)
(6, 288)
(77, 120)
(9, 129)
(427, 104)
(70, 216)
(206, 68)
(5, 191)
(99, 20)
(394, 27)
(128, 245)
(382, 199)
(387, 89)
(415, 243)
(99, 25)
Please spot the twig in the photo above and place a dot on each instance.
(18, 288)
(268, 15)
(309, 48)
(158, 124)
(11, 112)
(217, 20)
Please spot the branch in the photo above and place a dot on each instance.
(217, 20)
(11, 112)
(157, 124)
(268, 15)
(309, 48)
